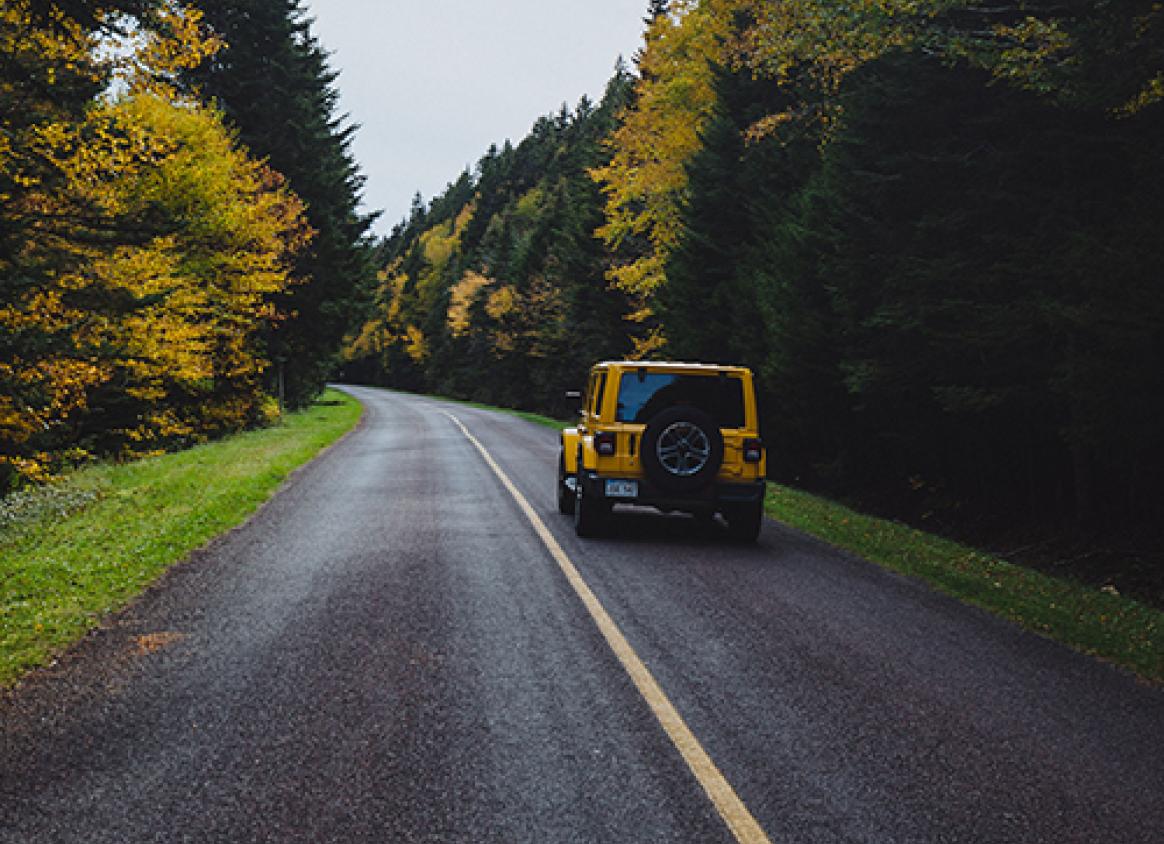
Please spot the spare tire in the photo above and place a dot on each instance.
(682, 449)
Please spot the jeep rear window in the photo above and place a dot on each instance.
(643, 394)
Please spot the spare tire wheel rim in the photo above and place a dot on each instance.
(683, 449)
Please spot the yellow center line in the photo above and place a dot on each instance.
(729, 805)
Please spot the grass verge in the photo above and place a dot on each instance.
(1095, 621)
(74, 551)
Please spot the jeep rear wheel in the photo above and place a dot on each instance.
(589, 513)
(745, 520)
(682, 449)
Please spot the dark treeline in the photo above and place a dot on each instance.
(958, 301)
(944, 263)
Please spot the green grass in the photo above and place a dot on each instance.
(79, 549)
(1094, 621)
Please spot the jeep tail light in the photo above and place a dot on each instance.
(753, 450)
(604, 443)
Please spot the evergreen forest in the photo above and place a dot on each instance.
(933, 228)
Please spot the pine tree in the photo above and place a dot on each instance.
(273, 83)
(991, 345)
(707, 305)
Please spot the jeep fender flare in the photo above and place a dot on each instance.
(571, 440)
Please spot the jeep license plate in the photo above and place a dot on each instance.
(622, 489)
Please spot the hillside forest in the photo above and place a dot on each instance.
(934, 229)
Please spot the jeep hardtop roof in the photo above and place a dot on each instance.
(668, 364)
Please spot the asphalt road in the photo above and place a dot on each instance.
(389, 652)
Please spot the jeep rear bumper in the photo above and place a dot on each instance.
(711, 498)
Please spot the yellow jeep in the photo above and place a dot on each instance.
(675, 436)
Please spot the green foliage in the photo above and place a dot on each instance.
(708, 304)
(954, 278)
(990, 341)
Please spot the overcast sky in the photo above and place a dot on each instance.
(432, 83)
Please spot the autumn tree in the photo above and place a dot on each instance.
(142, 247)
(191, 361)
(49, 75)
(645, 180)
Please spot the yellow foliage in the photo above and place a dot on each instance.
(648, 346)
(394, 290)
(59, 50)
(438, 244)
(530, 204)
(1152, 92)
(462, 296)
(158, 58)
(122, 319)
(464, 217)
(414, 343)
(521, 318)
(373, 337)
(404, 300)
(177, 311)
(501, 302)
(63, 383)
(646, 179)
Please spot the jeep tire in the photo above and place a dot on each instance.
(590, 514)
(682, 449)
(745, 520)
